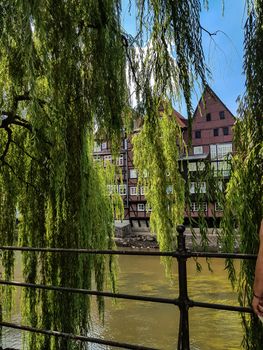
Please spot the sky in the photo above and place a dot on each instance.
(223, 52)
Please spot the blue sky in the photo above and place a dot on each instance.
(224, 53)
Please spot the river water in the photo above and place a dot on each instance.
(156, 325)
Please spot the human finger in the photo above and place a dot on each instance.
(260, 309)
(255, 305)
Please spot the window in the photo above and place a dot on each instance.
(224, 167)
(107, 159)
(220, 151)
(133, 191)
(202, 187)
(192, 187)
(224, 150)
(220, 185)
(104, 145)
(200, 166)
(208, 117)
(198, 134)
(120, 160)
(214, 167)
(97, 158)
(198, 150)
(148, 208)
(213, 151)
(218, 207)
(145, 173)
(221, 168)
(112, 189)
(133, 174)
(216, 132)
(122, 190)
(198, 206)
(191, 166)
(222, 115)
(97, 147)
(225, 131)
(141, 207)
(194, 206)
(197, 187)
(142, 190)
(125, 144)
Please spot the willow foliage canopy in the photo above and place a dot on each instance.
(243, 209)
(63, 74)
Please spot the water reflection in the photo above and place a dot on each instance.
(156, 325)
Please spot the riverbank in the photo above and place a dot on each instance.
(138, 240)
(142, 238)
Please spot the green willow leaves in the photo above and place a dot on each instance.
(63, 78)
(244, 200)
(156, 152)
(62, 71)
(65, 74)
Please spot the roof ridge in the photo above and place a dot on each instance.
(211, 91)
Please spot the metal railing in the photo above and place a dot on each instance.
(183, 301)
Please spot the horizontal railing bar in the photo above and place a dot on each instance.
(174, 254)
(88, 251)
(181, 254)
(92, 292)
(220, 307)
(76, 337)
(128, 296)
(221, 255)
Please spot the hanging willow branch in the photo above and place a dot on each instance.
(9, 139)
(63, 74)
(244, 202)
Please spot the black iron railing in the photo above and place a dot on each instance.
(183, 301)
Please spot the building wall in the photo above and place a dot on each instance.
(136, 200)
(211, 105)
(210, 114)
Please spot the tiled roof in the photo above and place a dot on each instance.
(180, 119)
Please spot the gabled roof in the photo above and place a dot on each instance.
(182, 122)
(211, 92)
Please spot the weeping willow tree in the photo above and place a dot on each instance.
(155, 153)
(244, 200)
(62, 66)
(172, 60)
(63, 71)
(64, 76)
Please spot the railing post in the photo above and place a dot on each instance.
(183, 336)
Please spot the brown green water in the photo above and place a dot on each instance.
(156, 325)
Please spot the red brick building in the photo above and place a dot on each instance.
(212, 137)
(211, 142)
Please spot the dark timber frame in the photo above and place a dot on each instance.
(183, 301)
